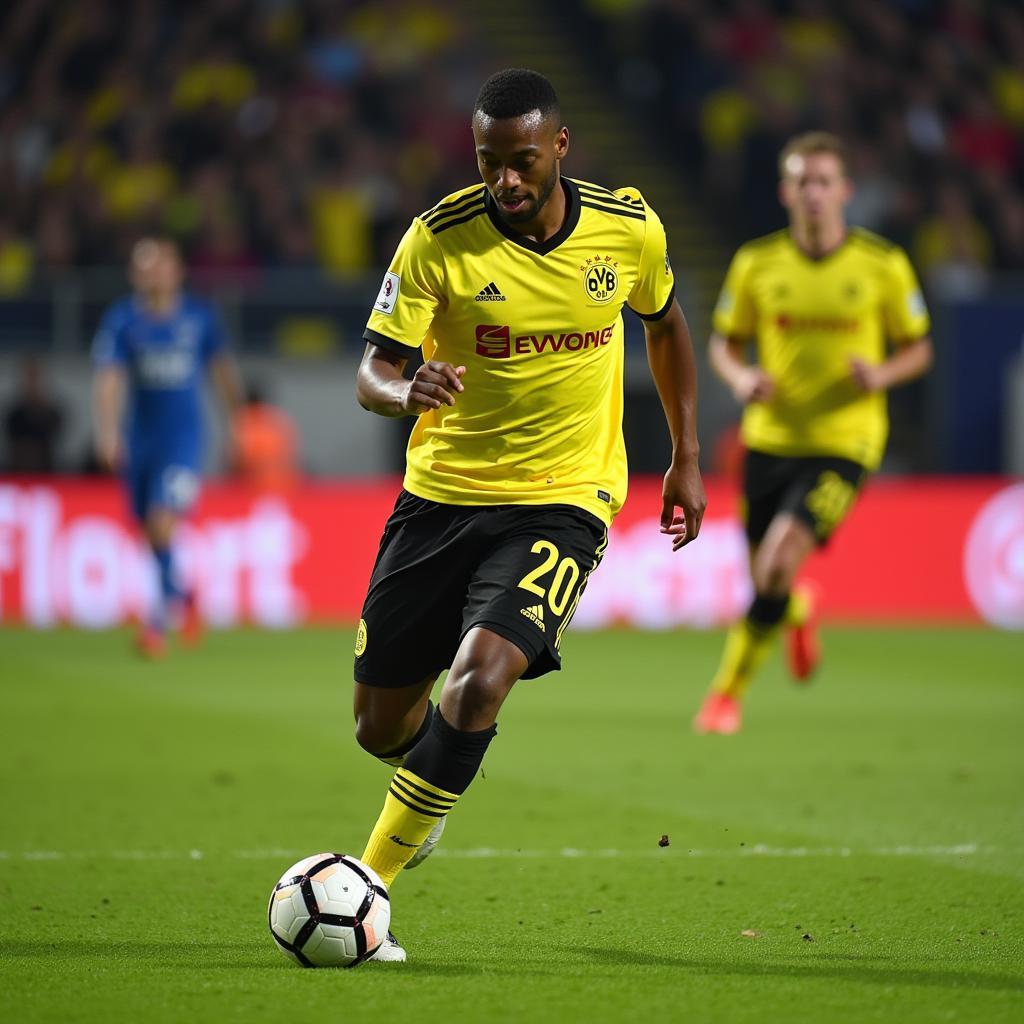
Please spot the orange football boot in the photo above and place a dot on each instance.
(803, 645)
(719, 713)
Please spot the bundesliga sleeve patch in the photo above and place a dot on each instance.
(388, 294)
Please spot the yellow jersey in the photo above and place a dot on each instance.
(539, 328)
(809, 317)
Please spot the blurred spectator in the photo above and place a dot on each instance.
(255, 133)
(952, 249)
(223, 256)
(32, 424)
(15, 261)
(923, 94)
(265, 444)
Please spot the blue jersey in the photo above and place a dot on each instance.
(164, 357)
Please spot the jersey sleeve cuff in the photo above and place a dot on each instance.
(663, 312)
(399, 348)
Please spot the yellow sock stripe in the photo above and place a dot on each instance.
(424, 787)
(420, 801)
(598, 555)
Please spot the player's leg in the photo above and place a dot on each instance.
(411, 625)
(159, 528)
(774, 565)
(821, 503)
(535, 563)
(391, 721)
(806, 499)
(174, 488)
(446, 758)
(765, 478)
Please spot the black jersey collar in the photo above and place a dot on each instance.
(572, 218)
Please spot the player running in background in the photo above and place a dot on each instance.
(820, 300)
(154, 348)
(516, 466)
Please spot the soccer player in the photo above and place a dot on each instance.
(513, 289)
(820, 300)
(155, 346)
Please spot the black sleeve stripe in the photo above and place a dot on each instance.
(600, 192)
(399, 348)
(663, 312)
(611, 199)
(622, 212)
(460, 220)
(477, 193)
(433, 218)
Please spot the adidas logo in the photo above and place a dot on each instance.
(492, 293)
(535, 614)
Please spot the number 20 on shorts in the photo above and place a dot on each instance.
(566, 576)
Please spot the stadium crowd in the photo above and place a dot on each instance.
(929, 95)
(286, 133)
(301, 133)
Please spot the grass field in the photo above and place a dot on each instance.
(856, 854)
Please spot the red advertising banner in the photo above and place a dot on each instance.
(912, 550)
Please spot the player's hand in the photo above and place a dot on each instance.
(434, 384)
(684, 489)
(109, 452)
(867, 376)
(753, 385)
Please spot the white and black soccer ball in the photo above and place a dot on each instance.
(329, 910)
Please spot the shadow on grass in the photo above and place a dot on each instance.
(821, 966)
(231, 956)
(175, 954)
(235, 956)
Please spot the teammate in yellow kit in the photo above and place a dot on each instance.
(837, 318)
(514, 290)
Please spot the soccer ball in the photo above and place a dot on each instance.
(329, 910)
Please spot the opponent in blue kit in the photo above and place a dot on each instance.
(152, 352)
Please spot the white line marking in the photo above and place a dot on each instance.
(492, 853)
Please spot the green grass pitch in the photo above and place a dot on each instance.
(855, 855)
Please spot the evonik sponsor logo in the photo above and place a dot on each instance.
(496, 341)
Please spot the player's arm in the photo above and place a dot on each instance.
(909, 361)
(734, 323)
(906, 320)
(108, 406)
(383, 388)
(111, 359)
(747, 382)
(414, 289)
(670, 354)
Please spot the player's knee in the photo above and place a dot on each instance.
(372, 734)
(774, 579)
(476, 690)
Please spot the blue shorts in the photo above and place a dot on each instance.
(161, 483)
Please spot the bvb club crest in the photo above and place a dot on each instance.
(600, 278)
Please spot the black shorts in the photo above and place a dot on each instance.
(519, 570)
(818, 490)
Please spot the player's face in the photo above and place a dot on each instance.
(814, 188)
(518, 159)
(156, 268)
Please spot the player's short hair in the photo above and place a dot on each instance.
(813, 142)
(515, 92)
(153, 241)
